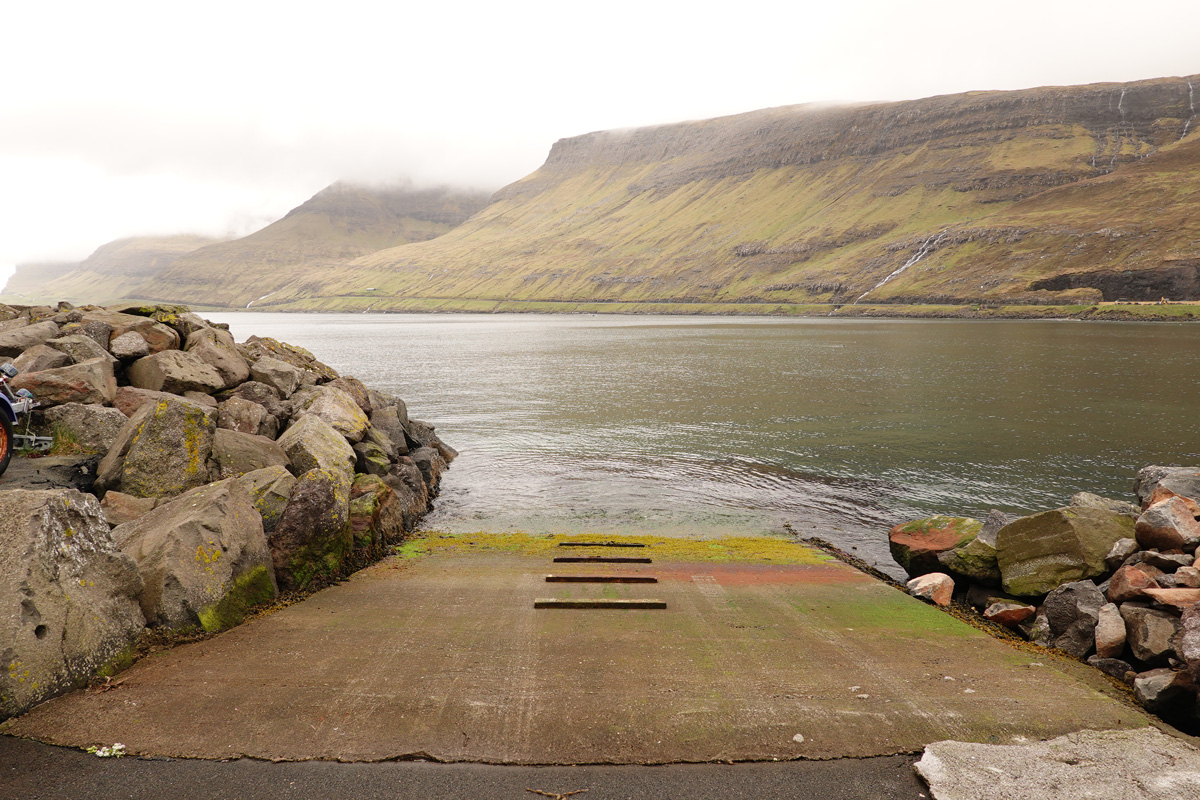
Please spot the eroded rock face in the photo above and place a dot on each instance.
(40, 357)
(79, 348)
(1110, 632)
(174, 371)
(162, 450)
(68, 596)
(915, 545)
(1040, 552)
(203, 558)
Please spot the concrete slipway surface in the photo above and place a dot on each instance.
(761, 653)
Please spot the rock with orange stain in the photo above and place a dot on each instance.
(916, 545)
(936, 587)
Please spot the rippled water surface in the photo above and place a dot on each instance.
(836, 428)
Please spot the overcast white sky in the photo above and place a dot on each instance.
(124, 118)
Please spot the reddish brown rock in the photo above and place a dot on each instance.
(1128, 583)
(129, 399)
(936, 587)
(1161, 493)
(1110, 632)
(1176, 598)
(1167, 525)
(1009, 613)
(1187, 578)
(90, 381)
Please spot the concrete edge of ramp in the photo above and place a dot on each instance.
(1138, 764)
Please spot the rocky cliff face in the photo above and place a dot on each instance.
(979, 197)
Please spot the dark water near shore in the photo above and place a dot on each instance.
(703, 426)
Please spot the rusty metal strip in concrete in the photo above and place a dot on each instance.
(602, 560)
(601, 579)
(601, 544)
(552, 602)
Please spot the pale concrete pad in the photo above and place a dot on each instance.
(445, 657)
(1140, 764)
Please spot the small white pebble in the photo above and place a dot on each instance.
(947, 678)
(863, 696)
(798, 738)
(968, 691)
(855, 688)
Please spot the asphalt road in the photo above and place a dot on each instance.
(33, 771)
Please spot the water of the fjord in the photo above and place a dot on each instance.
(705, 426)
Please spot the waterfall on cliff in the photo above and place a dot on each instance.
(928, 246)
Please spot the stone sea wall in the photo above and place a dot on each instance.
(201, 478)
(1109, 582)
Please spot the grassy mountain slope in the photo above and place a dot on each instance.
(111, 271)
(818, 204)
(338, 224)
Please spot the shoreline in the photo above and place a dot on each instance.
(1173, 311)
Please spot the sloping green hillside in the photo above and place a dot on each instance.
(981, 195)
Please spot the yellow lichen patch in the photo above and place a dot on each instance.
(742, 549)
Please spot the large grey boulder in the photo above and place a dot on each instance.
(431, 464)
(1166, 691)
(90, 381)
(203, 558)
(335, 407)
(1089, 500)
(217, 349)
(78, 347)
(1073, 610)
(261, 393)
(1183, 481)
(355, 388)
(312, 443)
(93, 427)
(40, 357)
(15, 341)
(68, 596)
(1042, 551)
(390, 421)
(162, 450)
(174, 371)
(279, 375)
(312, 539)
(129, 346)
(235, 453)
(158, 337)
(270, 489)
(914, 545)
(1150, 633)
(313, 371)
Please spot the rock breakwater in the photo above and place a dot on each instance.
(206, 476)
(1109, 582)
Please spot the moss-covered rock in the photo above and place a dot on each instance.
(915, 545)
(312, 540)
(162, 450)
(1042, 551)
(270, 488)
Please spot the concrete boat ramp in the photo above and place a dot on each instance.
(755, 654)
